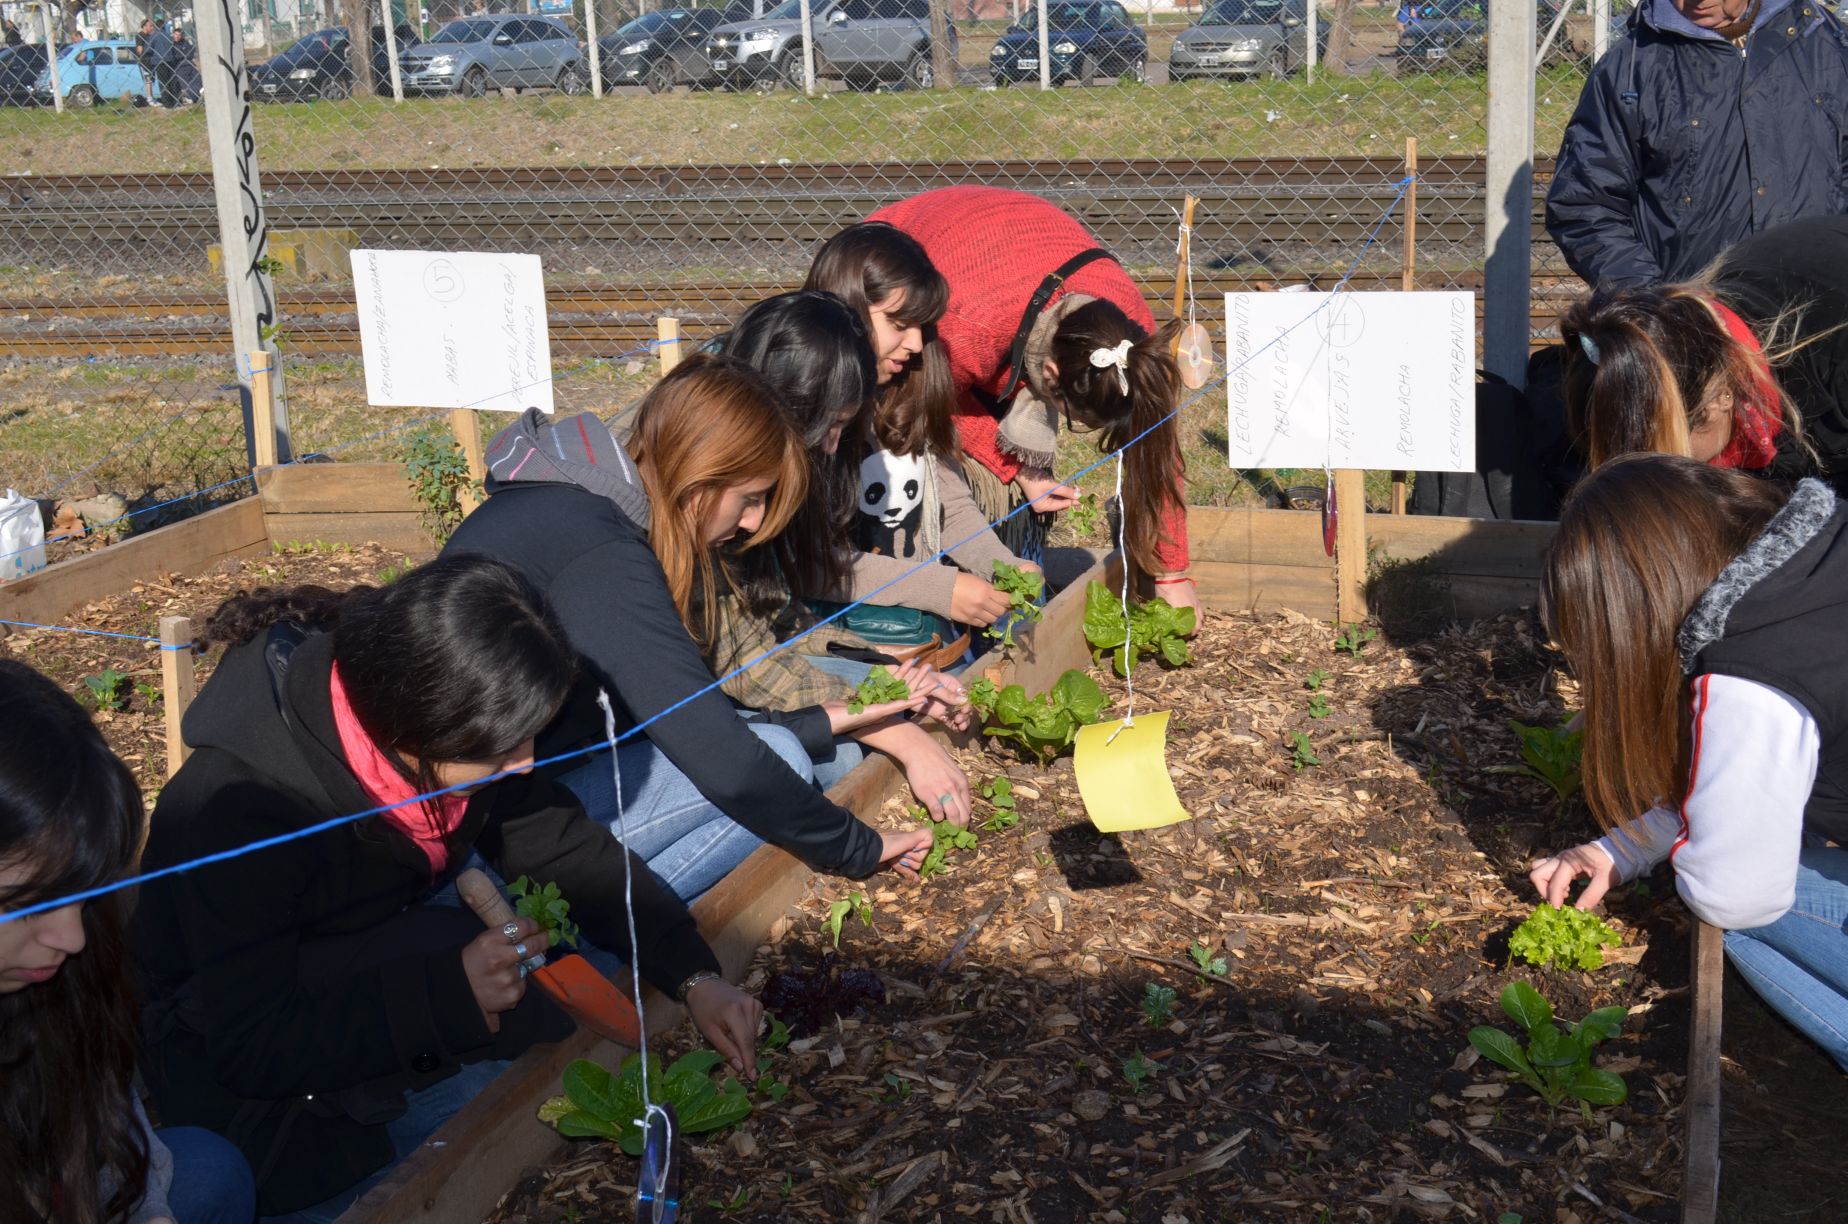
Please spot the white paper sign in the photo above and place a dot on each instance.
(1351, 380)
(453, 329)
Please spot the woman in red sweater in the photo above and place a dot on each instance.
(1088, 349)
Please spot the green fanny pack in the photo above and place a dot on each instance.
(885, 626)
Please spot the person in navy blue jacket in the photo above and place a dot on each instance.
(1712, 120)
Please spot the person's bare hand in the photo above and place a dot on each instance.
(492, 965)
(1553, 875)
(729, 1018)
(903, 851)
(976, 601)
(1044, 490)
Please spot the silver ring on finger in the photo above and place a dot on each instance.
(512, 931)
(519, 951)
(943, 801)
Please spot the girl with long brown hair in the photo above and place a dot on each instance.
(75, 1143)
(1701, 611)
(1043, 325)
(1741, 368)
(627, 545)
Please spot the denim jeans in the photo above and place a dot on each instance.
(686, 840)
(212, 1182)
(1799, 964)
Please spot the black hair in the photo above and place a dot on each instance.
(459, 660)
(814, 352)
(70, 815)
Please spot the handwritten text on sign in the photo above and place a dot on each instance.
(1351, 380)
(449, 329)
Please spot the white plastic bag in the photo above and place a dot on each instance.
(22, 537)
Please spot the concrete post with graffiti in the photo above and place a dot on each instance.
(243, 225)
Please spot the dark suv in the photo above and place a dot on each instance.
(1084, 40)
(660, 49)
(320, 65)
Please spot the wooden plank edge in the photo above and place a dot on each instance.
(1700, 1178)
(465, 1169)
(190, 546)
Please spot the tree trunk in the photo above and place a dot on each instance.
(1340, 38)
(942, 62)
(359, 38)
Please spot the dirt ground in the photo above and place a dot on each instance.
(1362, 906)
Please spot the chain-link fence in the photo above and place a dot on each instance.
(722, 148)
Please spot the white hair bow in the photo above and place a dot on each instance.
(1118, 357)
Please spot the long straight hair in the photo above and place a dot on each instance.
(864, 265)
(710, 425)
(1663, 358)
(459, 660)
(813, 351)
(1639, 541)
(1153, 469)
(70, 813)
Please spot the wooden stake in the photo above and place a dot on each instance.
(1409, 277)
(1350, 545)
(1700, 1179)
(177, 684)
(668, 328)
(1183, 261)
(262, 406)
(463, 424)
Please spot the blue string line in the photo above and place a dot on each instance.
(339, 821)
(127, 637)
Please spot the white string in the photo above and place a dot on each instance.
(1129, 672)
(649, 1108)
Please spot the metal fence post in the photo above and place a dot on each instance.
(243, 227)
(1045, 52)
(51, 56)
(1600, 29)
(1509, 193)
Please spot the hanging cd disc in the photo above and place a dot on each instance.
(1194, 352)
(657, 1179)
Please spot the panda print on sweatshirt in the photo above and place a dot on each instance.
(891, 503)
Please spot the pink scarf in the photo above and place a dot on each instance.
(426, 823)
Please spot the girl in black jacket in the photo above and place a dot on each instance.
(300, 1000)
(1741, 368)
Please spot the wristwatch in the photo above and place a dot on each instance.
(685, 988)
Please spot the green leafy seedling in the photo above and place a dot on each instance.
(1000, 795)
(1315, 680)
(1318, 705)
(858, 904)
(879, 687)
(897, 1087)
(1046, 723)
(1552, 755)
(944, 837)
(1155, 627)
(600, 1104)
(1138, 1070)
(1354, 639)
(108, 689)
(737, 1202)
(1302, 751)
(1555, 1062)
(1203, 959)
(149, 692)
(1023, 589)
(438, 473)
(1083, 516)
(1571, 938)
(548, 908)
(1157, 1004)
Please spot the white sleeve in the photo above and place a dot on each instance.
(1755, 753)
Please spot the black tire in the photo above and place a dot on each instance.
(338, 89)
(920, 73)
(81, 96)
(474, 83)
(571, 81)
(1087, 71)
(1002, 80)
(787, 72)
(660, 77)
(1135, 72)
(1278, 66)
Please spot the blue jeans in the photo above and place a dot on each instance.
(1799, 964)
(682, 836)
(212, 1182)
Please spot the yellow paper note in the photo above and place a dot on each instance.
(1125, 783)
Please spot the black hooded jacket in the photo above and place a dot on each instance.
(287, 1003)
(567, 508)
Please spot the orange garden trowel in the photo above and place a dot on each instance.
(569, 981)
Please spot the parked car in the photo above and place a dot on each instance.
(864, 42)
(320, 65)
(1454, 35)
(660, 49)
(500, 51)
(1245, 38)
(19, 73)
(1085, 40)
(94, 70)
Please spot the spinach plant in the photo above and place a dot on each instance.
(1000, 795)
(1157, 1004)
(1551, 754)
(1318, 705)
(1354, 639)
(1555, 1062)
(548, 908)
(1569, 937)
(1154, 627)
(599, 1105)
(1044, 724)
(108, 689)
(879, 687)
(1139, 1070)
(1302, 752)
(858, 904)
(1315, 680)
(1203, 958)
(1022, 588)
(945, 837)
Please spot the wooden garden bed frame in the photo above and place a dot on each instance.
(1244, 559)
